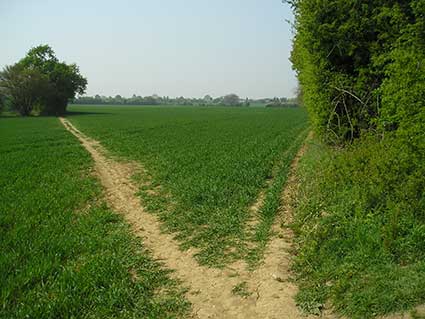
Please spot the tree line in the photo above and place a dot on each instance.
(39, 84)
(227, 100)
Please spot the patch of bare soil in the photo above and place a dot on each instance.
(417, 313)
(230, 293)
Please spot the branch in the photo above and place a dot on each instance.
(352, 94)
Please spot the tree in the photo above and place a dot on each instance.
(231, 100)
(118, 99)
(40, 79)
(2, 103)
(65, 80)
(208, 99)
(24, 88)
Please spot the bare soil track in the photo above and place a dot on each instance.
(269, 292)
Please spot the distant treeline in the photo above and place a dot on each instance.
(227, 100)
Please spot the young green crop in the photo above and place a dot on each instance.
(64, 254)
(211, 164)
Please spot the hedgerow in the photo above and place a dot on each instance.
(360, 222)
(357, 61)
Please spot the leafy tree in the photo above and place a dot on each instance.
(403, 89)
(24, 88)
(65, 81)
(118, 99)
(231, 100)
(361, 66)
(2, 103)
(208, 99)
(39, 79)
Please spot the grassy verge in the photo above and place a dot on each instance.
(360, 229)
(64, 254)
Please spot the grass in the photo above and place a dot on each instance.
(64, 254)
(359, 221)
(360, 229)
(241, 290)
(210, 164)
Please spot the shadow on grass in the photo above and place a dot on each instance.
(9, 115)
(77, 113)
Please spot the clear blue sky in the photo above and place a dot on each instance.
(167, 47)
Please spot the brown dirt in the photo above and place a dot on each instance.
(254, 209)
(271, 293)
(419, 313)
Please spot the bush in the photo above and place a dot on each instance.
(231, 100)
(404, 98)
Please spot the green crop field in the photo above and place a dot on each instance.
(211, 164)
(64, 254)
(215, 196)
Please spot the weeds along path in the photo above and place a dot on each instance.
(255, 212)
(229, 293)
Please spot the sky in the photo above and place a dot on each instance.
(171, 48)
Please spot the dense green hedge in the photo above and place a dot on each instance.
(360, 220)
(360, 64)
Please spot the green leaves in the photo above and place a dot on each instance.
(343, 53)
(23, 87)
(39, 82)
(360, 65)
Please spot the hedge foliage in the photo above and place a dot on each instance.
(361, 65)
(360, 219)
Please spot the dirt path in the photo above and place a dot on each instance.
(269, 294)
(274, 274)
(255, 208)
